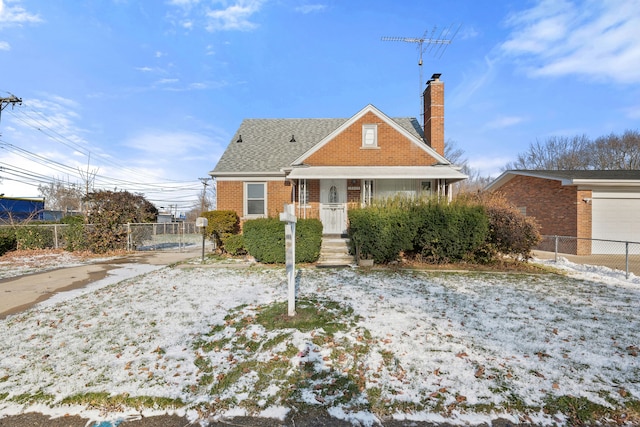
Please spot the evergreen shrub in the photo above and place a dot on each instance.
(34, 237)
(220, 225)
(381, 232)
(264, 240)
(438, 232)
(449, 232)
(234, 244)
(8, 241)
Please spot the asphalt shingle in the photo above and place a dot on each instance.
(266, 143)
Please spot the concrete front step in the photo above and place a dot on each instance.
(334, 252)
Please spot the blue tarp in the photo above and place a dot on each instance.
(18, 209)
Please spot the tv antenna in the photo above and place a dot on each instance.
(429, 44)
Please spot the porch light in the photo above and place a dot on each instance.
(292, 139)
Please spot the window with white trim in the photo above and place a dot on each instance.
(255, 198)
(369, 136)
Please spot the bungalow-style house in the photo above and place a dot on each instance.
(587, 204)
(322, 166)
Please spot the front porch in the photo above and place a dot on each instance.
(327, 193)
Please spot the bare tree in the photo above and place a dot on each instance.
(475, 182)
(556, 153)
(613, 152)
(61, 196)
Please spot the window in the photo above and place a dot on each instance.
(367, 193)
(369, 136)
(255, 198)
(333, 194)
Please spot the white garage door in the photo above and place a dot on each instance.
(615, 216)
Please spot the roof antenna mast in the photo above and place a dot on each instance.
(428, 44)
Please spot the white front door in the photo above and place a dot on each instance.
(333, 206)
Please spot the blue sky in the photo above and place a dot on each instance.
(147, 94)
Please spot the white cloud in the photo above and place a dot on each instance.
(593, 38)
(12, 13)
(489, 166)
(5, 45)
(504, 122)
(215, 15)
(153, 141)
(184, 3)
(167, 81)
(311, 8)
(234, 17)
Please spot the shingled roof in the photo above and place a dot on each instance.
(266, 145)
(572, 177)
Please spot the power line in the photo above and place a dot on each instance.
(42, 124)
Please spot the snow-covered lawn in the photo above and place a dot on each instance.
(435, 346)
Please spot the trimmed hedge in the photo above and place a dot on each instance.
(438, 232)
(380, 233)
(264, 240)
(450, 232)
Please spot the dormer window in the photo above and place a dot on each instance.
(369, 136)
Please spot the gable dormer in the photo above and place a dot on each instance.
(371, 138)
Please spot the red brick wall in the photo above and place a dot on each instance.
(584, 218)
(393, 149)
(558, 210)
(434, 115)
(230, 196)
(278, 193)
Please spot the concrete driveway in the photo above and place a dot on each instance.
(21, 292)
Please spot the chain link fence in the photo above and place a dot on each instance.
(140, 236)
(159, 236)
(615, 254)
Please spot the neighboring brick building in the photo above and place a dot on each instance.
(583, 204)
(324, 165)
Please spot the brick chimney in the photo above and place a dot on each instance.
(433, 99)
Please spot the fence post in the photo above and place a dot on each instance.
(128, 237)
(556, 250)
(181, 234)
(55, 235)
(626, 259)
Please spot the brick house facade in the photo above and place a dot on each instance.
(323, 166)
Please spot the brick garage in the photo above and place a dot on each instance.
(563, 203)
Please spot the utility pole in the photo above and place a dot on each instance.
(204, 193)
(13, 100)
(441, 42)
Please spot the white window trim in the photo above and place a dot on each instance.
(365, 128)
(245, 200)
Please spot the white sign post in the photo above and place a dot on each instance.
(202, 222)
(289, 218)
